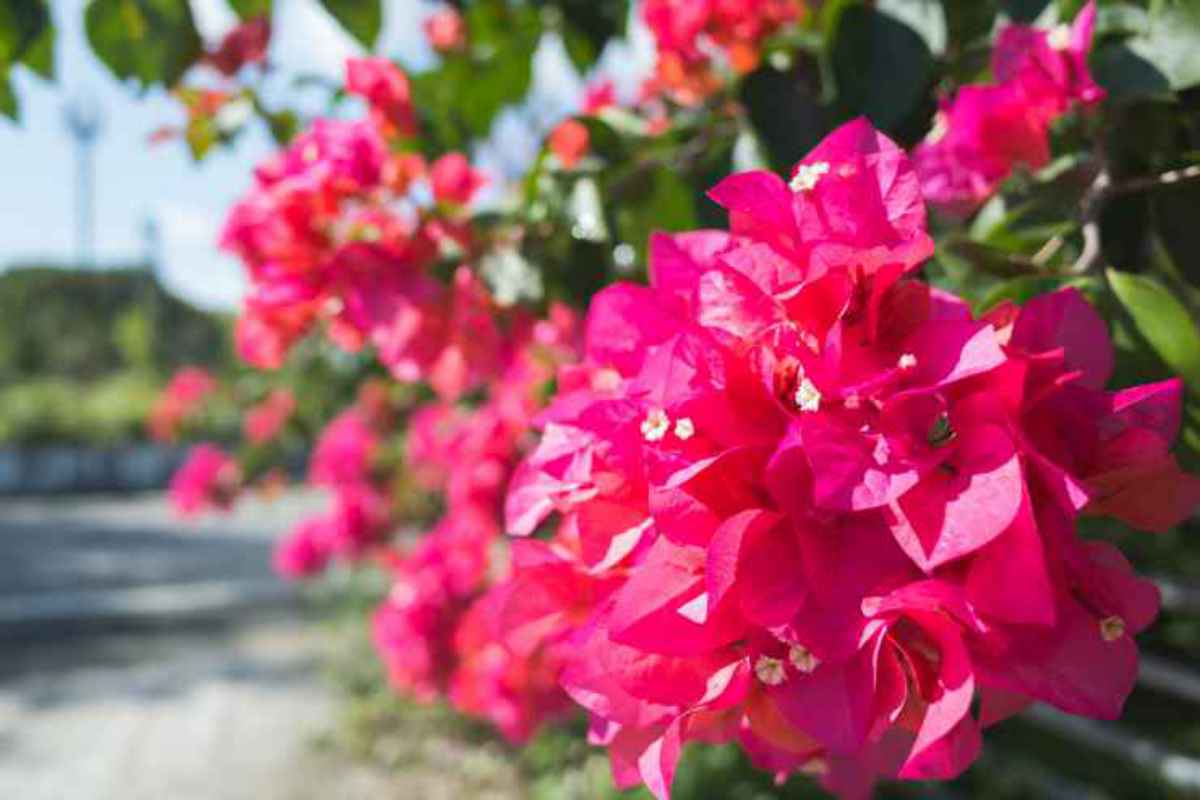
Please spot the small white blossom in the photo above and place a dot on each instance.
(808, 175)
(907, 361)
(1059, 37)
(808, 396)
(655, 425)
(770, 670)
(803, 659)
(685, 428)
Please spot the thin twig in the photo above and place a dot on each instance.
(1102, 189)
(1168, 178)
(1090, 207)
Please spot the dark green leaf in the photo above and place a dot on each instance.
(8, 99)
(1162, 321)
(1125, 74)
(362, 19)
(1170, 43)
(39, 55)
(151, 41)
(1025, 10)
(461, 99)
(587, 26)
(654, 200)
(785, 111)
(1022, 290)
(283, 125)
(580, 49)
(967, 22)
(926, 17)
(27, 37)
(22, 22)
(250, 9)
(881, 66)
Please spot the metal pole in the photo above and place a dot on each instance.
(83, 120)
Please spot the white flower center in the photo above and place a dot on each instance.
(803, 659)
(808, 175)
(1059, 37)
(655, 425)
(1112, 628)
(770, 670)
(907, 361)
(685, 428)
(808, 396)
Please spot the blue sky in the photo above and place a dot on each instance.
(136, 182)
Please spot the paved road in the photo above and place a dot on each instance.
(144, 658)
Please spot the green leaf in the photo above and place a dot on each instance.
(362, 19)
(785, 111)
(22, 22)
(251, 9)
(1025, 10)
(1125, 75)
(586, 25)
(150, 41)
(1170, 43)
(926, 17)
(284, 126)
(1022, 290)
(26, 36)
(881, 66)
(1162, 321)
(658, 199)
(39, 55)
(968, 22)
(8, 99)
(461, 99)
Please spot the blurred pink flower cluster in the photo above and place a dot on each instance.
(331, 234)
(208, 479)
(987, 130)
(345, 463)
(689, 33)
(437, 631)
(792, 488)
(182, 398)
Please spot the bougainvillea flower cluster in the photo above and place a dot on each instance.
(360, 515)
(446, 30)
(209, 479)
(183, 397)
(689, 32)
(330, 233)
(785, 498)
(987, 130)
(437, 631)
(265, 420)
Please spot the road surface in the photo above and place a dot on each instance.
(149, 659)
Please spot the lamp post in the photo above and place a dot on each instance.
(84, 120)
